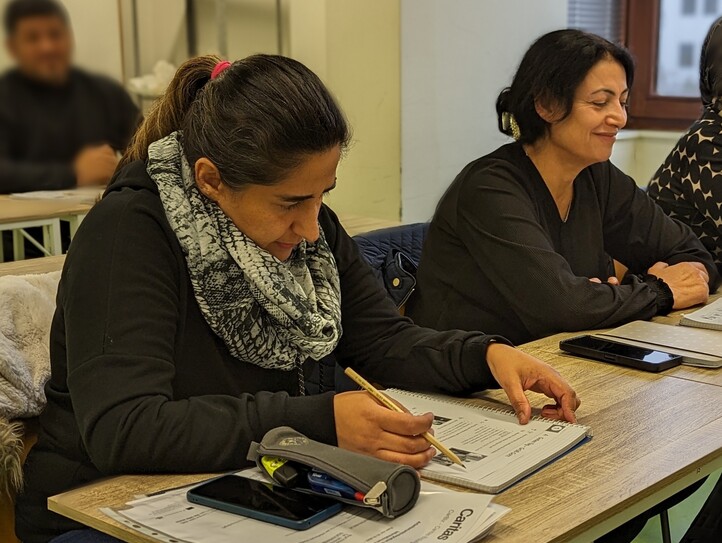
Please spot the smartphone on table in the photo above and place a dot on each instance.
(263, 501)
(614, 352)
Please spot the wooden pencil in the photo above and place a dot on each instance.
(387, 402)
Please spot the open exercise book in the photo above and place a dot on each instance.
(496, 450)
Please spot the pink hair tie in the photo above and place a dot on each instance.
(222, 65)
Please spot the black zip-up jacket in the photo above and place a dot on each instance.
(499, 258)
(140, 383)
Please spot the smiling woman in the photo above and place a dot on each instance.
(523, 240)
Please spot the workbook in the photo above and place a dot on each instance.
(496, 450)
(697, 346)
(710, 316)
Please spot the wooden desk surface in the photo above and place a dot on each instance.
(650, 433)
(17, 210)
(353, 225)
(550, 346)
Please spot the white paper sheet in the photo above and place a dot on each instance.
(439, 515)
(496, 450)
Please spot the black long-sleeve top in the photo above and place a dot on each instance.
(140, 383)
(43, 127)
(688, 185)
(499, 258)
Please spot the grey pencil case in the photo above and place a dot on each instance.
(391, 489)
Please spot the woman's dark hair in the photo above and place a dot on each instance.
(710, 66)
(256, 121)
(16, 10)
(550, 73)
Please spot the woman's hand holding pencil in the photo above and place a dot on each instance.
(387, 402)
(363, 425)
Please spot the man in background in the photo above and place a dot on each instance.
(60, 127)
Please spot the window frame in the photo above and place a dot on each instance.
(649, 110)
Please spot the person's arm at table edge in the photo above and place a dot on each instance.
(394, 352)
(639, 233)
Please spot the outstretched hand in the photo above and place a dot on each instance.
(516, 372)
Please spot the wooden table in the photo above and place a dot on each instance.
(353, 225)
(550, 346)
(17, 215)
(653, 436)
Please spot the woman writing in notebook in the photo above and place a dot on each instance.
(523, 240)
(200, 292)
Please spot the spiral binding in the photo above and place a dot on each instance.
(500, 411)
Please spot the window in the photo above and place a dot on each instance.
(601, 17)
(665, 38)
(685, 61)
(666, 48)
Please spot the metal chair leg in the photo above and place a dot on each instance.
(664, 520)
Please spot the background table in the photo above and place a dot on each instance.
(17, 215)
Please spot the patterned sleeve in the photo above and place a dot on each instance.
(688, 186)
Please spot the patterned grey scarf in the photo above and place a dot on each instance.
(270, 313)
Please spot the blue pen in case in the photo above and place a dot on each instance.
(325, 484)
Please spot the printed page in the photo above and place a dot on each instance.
(494, 447)
(438, 515)
(709, 315)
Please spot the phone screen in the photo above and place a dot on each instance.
(641, 358)
(649, 356)
(262, 497)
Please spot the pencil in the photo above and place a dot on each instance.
(386, 402)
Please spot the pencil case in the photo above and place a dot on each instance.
(389, 488)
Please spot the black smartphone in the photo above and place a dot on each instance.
(618, 353)
(263, 501)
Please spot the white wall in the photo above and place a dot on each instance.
(250, 27)
(353, 46)
(456, 56)
(96, 26)
(639, 153)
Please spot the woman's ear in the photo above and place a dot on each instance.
(548, 112)
(208, 179)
